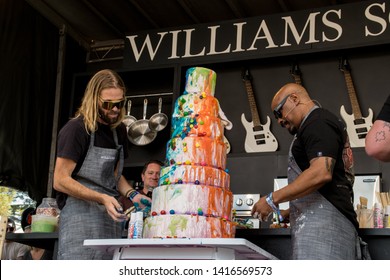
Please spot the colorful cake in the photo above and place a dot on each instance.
(193, 199)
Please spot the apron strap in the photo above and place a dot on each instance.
(92, 141)
(115, 136)
(362, 252)
(121, 154)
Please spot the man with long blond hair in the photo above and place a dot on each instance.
(90, 155)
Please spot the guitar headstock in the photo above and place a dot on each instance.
(246, 75)
(344, 65)
(296, 73)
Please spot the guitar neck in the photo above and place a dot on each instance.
(352, 95)
(297, 79)
(296, 73)
(252, 103)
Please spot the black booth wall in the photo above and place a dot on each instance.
(28, 72)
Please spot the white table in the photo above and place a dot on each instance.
(181, 248)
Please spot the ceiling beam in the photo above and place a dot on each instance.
(283, 5)
(144, 14)
(236, 9)
(103, 18)
(188, 11)
(58, 21)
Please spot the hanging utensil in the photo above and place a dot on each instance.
(227, 143)
(158, 121)
(139, 132)
(128, 119)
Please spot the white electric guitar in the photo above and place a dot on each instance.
(296, 73)
(357, 126)
(258, 137)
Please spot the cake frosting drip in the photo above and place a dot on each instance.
(199, 80)
(194, 174)
(197, 151)
(188, 226)
(192, 199)
(201, 126)
(199, 104)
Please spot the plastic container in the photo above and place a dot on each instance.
(365, 218)
(386, 220)
(48, 207)
(139, 225)
(130, 233)
(378, 217)
(43, 223)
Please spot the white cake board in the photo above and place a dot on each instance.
(181, 249)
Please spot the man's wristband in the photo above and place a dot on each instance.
(269, 199)
(131, 194)
(128, 192)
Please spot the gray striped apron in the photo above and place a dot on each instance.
(80, 219)
(319, 231)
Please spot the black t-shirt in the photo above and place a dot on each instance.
(323, 134)
(73, 140)
(384, 114)
(73, 143)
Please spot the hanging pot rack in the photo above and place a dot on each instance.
(150, 95)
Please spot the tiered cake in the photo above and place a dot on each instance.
(193, 199)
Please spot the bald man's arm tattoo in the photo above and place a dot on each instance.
(329, 164)
(381, 135)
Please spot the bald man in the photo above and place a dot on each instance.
(320, 180)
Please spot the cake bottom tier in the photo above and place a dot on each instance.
(187, 226)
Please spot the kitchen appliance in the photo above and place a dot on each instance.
(242, 204)
(367, 186)
(364, 185)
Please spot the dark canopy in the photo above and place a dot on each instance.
(29, 56)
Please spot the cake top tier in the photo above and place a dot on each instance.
(199, 80)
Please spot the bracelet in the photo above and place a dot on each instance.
(132, 194)
(128, 192)
(271, 203)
